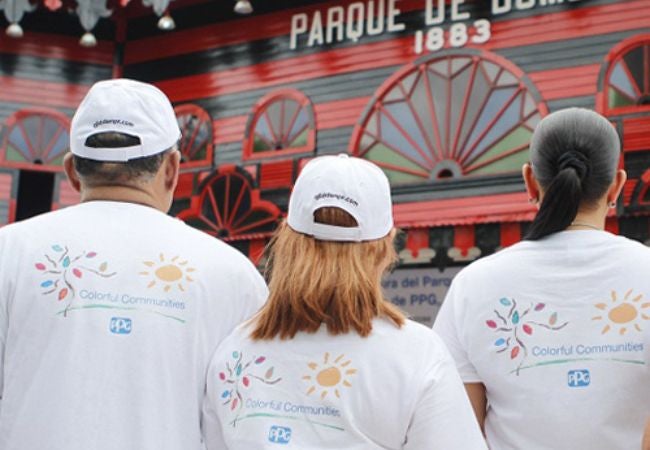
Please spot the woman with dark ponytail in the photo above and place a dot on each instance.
(551, 335)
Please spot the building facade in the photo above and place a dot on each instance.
(443, 95)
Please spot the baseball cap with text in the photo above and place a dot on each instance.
(355, 185)
(125, 106)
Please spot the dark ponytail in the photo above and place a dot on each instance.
(574, 155)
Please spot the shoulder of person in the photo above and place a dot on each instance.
(413, 336)
(212, 247)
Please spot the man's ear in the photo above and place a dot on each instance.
(172, 169)
(73, 177)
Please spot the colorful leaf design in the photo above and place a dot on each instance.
(63, 293)
(499, 342)
(269, 373)
(57, 248)
(91, 255)
(66, 261)
(491, 323)
(77, 273)
(47, 283)
(505, 302)
(514, 352)
(528, 329)
(40, 266)
(238, 369)
(260, 360)
(103, 266)
(539, 306)
(225, 394)
(235, 355)
(233, 404)
(246, 381)
(553, 319)
(515, 318)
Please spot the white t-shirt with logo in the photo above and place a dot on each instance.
(558, 332)
(109, 314)
(395, 389)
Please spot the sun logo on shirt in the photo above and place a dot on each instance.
(623, 314)
(168, 273)
(329, 375)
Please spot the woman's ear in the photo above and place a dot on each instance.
(532, 187)
(616, 186)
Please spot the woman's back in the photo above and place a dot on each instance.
(320, 391)
(558, 332)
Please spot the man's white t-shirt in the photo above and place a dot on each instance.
(395, 389)
(558, 332)
(109, 314)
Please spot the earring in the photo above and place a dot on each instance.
(612, 205)
(532, 200)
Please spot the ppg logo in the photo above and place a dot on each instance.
(579, 378)
(279, 435)
(120, 325)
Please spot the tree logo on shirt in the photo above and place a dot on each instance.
(329, 375)
(238, 376)
(623, 313)
(515, 326)
(62, 270)
(168, 274)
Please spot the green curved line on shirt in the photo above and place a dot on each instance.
(121, 308)
(250, 416)
(564, 361)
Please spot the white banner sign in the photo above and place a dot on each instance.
(419, 292)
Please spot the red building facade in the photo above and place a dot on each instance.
(442, 95)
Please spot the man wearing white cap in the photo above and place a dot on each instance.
(110, 310)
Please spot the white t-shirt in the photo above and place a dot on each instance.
(396, 389)
(109, 314)
(558, 332)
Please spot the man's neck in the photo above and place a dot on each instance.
(126, 194)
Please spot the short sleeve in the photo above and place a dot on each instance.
(210, 425)
(448, 325)
(443, 417)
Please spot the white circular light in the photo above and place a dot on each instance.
(243, 7)
(15, 30)
(88, 40)
(166, 23)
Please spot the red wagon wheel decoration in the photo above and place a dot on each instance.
(35, 139)
(196, 145)
(228, 207)
(458, 114)
(627, 77)
(282, 121)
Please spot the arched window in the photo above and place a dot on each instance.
(282, 122)
(625, 83)
(229, 208)
(454, 114)
(196, 145)
(35, 139)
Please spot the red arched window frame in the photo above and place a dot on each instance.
(35, 139)
(624, 81)
(228, 207)
(452, 114)
(197, 137)
(282, 123)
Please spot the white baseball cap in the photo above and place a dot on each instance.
(355, 185)
(125, 106)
